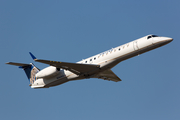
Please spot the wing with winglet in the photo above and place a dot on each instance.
(76, 68)
(108, 75)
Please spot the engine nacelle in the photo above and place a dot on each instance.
(47, 72)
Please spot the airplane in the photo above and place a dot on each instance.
(97, 66)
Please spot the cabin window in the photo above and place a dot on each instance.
(119, 49)
(90, 59)
(86, 62)
(94, 58)
(111, 50)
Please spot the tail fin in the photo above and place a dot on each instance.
(30, 69)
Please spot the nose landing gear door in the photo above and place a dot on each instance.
(135, 44)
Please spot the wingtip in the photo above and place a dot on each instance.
(7, 62)
(33, 57)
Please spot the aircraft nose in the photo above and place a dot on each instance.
(163, 40)
(168, 39)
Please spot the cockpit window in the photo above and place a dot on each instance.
(154, 36)
(149, 37)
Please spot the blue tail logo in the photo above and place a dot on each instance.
(31, 72)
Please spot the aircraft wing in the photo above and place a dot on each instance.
(76, 68)
(108, 75)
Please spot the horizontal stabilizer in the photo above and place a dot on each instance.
(18, 64)
(29, 69)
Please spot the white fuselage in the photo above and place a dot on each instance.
(106, 60)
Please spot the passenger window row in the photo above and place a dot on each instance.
(102, 54)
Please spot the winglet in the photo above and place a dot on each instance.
(33, 57)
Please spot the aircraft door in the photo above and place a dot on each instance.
(135, 44)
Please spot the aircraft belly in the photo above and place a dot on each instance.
(68, 76)
(57, 82)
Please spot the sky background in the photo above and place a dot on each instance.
(73, 30)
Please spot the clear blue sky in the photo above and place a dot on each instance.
(72, 30)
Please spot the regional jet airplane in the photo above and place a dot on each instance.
(98, 66)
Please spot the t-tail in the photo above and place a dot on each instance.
(30, 69)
